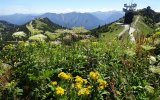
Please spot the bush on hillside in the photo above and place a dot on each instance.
(38, 38)
(19, 35)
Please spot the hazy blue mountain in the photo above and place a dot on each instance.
(109, 16)
(87, 20)
(18, 19)
(74, 19)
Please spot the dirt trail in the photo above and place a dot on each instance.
(126, 28)
(137, 19)
(130, 29)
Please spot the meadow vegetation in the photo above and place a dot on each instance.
(101, 68)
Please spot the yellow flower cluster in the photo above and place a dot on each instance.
(102, 84)
(59, 91)
(79, 81)
(94, 75)
(54, 83)
(84, 91)
(78, 85)
(65, 76)
(82, 86)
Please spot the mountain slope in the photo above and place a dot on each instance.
(39, 26)
(42, 29)
(141, 26)
(150, 16)
(107, 29)
(4, 26)
(6, 29)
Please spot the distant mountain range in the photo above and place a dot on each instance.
(69, 20)
(18, 19)
(108, 17)
(87, 20)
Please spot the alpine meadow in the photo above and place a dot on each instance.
(76, 55)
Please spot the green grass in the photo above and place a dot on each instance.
(143, 28)
(40, 25)
(52, 36)
(33, 30)
(114, 31)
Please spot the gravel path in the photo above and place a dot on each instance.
(130, 29)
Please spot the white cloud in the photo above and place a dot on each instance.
(157, 10)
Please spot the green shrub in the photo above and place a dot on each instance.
(38, 38)
(19, 35)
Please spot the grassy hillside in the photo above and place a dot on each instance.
(40, 25)
(150, 16)
(141, 26)
(6, 30)
(112, 29)
(5, 26)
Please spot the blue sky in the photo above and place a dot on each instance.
(62, 6)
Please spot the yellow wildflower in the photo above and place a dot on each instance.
(89, 87)
(85, 81)
(78, 79)
(54, 83)
(65, 76)
(102, 84)
(94, 75)
(84, 91)
(59, 91)
(78, 85)
(101, 87)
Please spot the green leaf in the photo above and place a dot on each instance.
(152, 60)
(149, 89)
(130, 53)
(148, 47)
(155, 70)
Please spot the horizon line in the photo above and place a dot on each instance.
(65, 12)
(61, 12)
